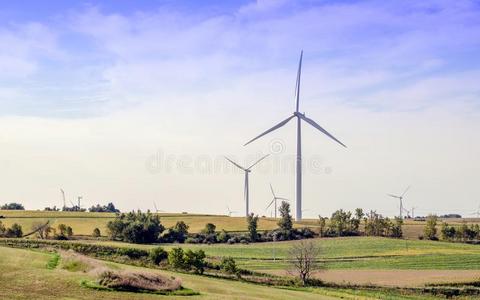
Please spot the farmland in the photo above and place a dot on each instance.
(383, 262)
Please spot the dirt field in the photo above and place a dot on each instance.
(396, 278)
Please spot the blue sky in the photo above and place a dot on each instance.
(113, 83)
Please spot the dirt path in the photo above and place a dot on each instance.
(398, 278)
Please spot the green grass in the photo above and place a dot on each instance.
(346, 253)
(53, 261)
(25, 276)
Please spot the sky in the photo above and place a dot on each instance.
(135, 102)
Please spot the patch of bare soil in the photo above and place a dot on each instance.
(396, 278)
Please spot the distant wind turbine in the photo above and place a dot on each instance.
(300, 116)
(401, 200)
(63, 197)
(230, 212)
(274, 201)
(156, 209)
(247, 171)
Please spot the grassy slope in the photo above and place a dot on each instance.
(349, 253)
(24, 275)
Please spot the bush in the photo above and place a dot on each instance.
(223, 236)
(175, 258)
(156, 255)
(195, 260)
(228, 265)
(96, 233)
(209, 228)
(15, 231)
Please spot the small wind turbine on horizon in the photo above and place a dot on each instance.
(477, 213)
(247, 171)
(274, 201)
(230, 212)
(401, 200)
(300, 117)
(156, 209)
(63, 197)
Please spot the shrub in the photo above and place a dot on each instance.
(175, 258)
(228, 265)
(15, 231)
(209, 228)
(195, 260)
(69, 231)
(96, 233)
(156, 255)
(223, 236)
(285, 223)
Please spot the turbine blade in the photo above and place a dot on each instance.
(406, 190)
(237, 165)
(314, 124)
(284, 199)
(258, 161)
(271, 129)
(271, 188)
(270, 204)
(297, 84)
(393, 196)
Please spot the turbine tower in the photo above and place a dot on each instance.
(401, 200)
(300, 117)
(63, 196)
(247, 171)
(274, 201)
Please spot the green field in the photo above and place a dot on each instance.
(27, 274)
(347, 253)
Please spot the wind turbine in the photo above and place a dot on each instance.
(247, 171)
(63, 196)
(274, 201)
(300, 117)
(156, 209)
(230, 212)
(401, 199)
(477, 213)
(413, 211)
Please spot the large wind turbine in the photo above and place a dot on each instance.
(274, 201)
(247, 171)
(300, 116)
(401, 200)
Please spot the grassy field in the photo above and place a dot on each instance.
(347, 253)
(28, 274)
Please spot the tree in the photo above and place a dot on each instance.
(252, 222)
(195, 260)
(430, 230)
(340, 222)
(2, 229)
(285, 223)
(396, 230)
(12, 206)
(105, 208)
(209, 228)
(42, 230)
(69, 231)
(322, 222)
(447, 232)
(175, 258)
(135, 227)
(303, 257)
(228, 265)
(96, 233)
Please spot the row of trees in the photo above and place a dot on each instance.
(462, 233)
(12, 206)
(110, 207)
(344, 223)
